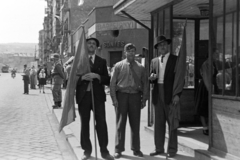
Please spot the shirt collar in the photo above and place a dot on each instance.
(166, 55)
(93, 57)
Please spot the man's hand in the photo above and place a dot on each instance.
(115, 103)
(90, 76)
(152, 77)
(175, 100)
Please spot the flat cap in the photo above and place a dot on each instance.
(129, 46)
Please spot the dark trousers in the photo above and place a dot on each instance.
(57, 93)
(84, 109)
(129, 105)
(26, 86)
(161, 117)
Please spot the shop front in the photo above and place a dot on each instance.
(114, 32)
(210, 24)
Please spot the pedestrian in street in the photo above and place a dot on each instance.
(128, 90)
(42, 80)
(99, 77)
(33, 78)
(26, 79)
(57, 80)
(38, 71)
(162, 77)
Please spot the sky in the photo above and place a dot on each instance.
(21, 20)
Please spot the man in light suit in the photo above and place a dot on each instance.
(162, 77)
(57, 80)
(99, 77)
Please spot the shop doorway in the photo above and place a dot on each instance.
(115, 56)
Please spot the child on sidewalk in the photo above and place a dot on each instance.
(42, 80)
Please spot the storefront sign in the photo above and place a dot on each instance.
(117, 44)
(115, 25)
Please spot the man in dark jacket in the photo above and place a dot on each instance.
(99, 77)
(57, 80)
(162, 76)
(26, 79)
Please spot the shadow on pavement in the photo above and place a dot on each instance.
(161, 157)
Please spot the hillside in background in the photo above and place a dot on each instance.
(17, 47)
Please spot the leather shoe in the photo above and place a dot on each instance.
(154, 153)
(85, 157)
(138, 153)
(171, 155)
(117, 155)
(107, 157)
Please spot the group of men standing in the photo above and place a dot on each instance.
(129, 93)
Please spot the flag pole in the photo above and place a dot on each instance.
(93, 105)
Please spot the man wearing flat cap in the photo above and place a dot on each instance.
(128, 90)
(57, 80)
(162, 77)
(99, 78)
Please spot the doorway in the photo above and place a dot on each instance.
(115, 56)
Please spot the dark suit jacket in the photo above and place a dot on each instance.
(99, 67)
(168, 79)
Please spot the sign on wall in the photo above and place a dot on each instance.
(116, 44)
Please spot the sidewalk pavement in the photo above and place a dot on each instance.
(72, 133)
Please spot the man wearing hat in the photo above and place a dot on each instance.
(57, 80)
(26, 79)
(128, 90)
(99, 77)
(162, 77)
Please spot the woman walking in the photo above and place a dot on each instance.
(42, 80)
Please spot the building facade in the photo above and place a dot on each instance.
(210, 24)
(113, 32)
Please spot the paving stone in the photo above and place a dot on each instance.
(27, 130)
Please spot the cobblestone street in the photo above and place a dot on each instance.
(29, 131)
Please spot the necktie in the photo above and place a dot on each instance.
(90, 61)
(162, 58)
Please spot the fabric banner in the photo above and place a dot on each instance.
(79, 67)
(174, 112)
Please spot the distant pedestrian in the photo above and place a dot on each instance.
(57, 80)
(128, 89)
(42, 80)
(26, 79)
(38, 71)
(33, 78)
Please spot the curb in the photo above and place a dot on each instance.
(72, 141)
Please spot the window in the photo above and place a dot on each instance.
(226, 26)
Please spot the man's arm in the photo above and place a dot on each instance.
(104, 78)
(59, 70)
(113, 84)
(152, 78)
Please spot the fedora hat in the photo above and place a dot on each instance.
(161, 39)
(95, 39)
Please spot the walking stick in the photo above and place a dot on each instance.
(91, 86)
